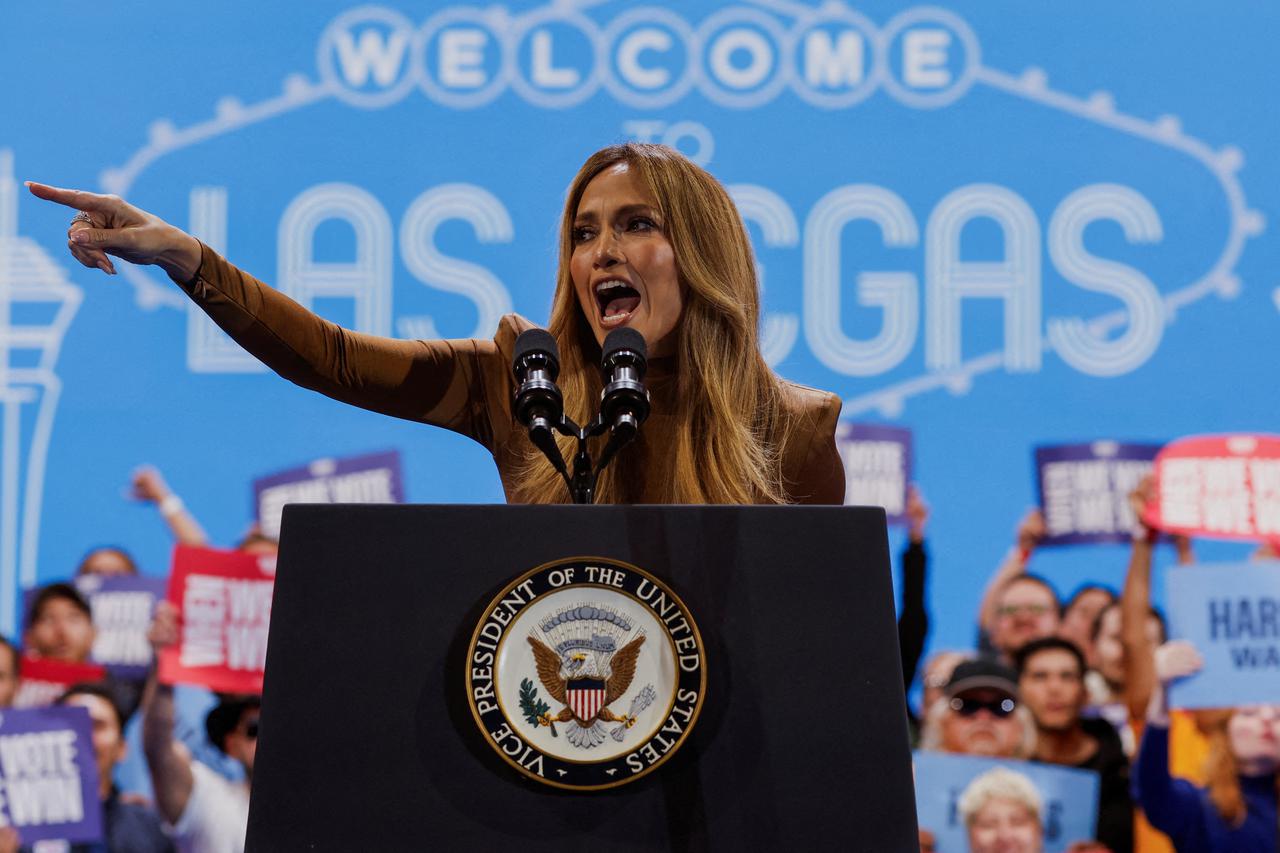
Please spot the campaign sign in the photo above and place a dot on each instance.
(877, 467)
(1069, 797)
(1225, 486)
(44, 680)
(122, 609)
(1231, 614)
(224, 606)
(1084, 489)
(374, 478)
(50, 776)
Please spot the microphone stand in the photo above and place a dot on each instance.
(582, 483)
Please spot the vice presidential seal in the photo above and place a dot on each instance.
(586, 673)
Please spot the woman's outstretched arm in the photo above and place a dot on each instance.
(458, 384)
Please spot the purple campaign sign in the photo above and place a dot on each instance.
(1231, 614)
(877, 467)
(50, 778)
(1084, 489)
(373, 478)
(122, 611)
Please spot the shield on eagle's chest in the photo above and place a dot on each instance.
(586, 698)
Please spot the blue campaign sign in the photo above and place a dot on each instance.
(1069, 797)
(985, 221)
(1231, 614)
(49, 774)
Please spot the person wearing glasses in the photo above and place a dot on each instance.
(980, 714)
(208, 812)
(1051, 683)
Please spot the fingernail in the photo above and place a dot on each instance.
(79, 235)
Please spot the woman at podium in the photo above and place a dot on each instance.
(648, 240)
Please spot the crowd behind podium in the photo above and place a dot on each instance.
(1076, 680)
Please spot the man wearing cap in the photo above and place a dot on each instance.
(980, 714)
(209, 813)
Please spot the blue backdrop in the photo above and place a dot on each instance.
(996, 223)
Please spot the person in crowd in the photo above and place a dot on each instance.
(913, 620)
(1236, 810)
(127, 825)
(1017, 606)
(980, 714)
(107, 560)
(1106, 680)
(59, 625)
(649, 241)
(1080, 614)
(1026, 609)
(1002, 813)
(10, 672)
(1051, 683)
(208, 812)
(937, 672)
(1188, 745)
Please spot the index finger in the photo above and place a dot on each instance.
(78, 199)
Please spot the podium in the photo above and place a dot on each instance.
(368, 740)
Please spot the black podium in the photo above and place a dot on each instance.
(368, 741)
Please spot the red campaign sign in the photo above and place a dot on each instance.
(224, 608)
(44, 680)
(1224, 486)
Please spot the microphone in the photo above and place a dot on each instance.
(539, 405)
(624, 402)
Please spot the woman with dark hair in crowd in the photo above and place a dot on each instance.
(647, 240)
(1236, 810)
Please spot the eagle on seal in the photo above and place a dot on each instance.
(558, 676)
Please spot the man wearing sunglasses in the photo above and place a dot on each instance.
(980, 714)
(209, 813)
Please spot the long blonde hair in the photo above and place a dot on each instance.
(730, 433)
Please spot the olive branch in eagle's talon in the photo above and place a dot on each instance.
(533, 708)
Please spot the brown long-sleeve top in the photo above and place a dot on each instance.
(467, 385)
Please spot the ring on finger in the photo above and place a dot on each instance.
(81, 216)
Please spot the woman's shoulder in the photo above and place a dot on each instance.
(809, 403)
(811, 462)
(509, 328)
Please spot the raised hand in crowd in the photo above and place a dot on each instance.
(150, 487)
(208, 811)
(109, 226)
(1138, 636)
(913, 621)
(1173, 660)
(917, 512)
(1030, 531)
(168, 759)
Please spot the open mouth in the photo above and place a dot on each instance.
(616, 300)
